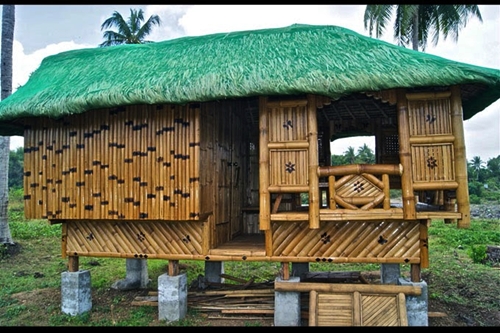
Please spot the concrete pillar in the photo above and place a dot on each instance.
(213, 270)
(172, 297)
(76, 294)
(137, 275)
(390, 273)
(417, 306)
(299, 269)
(287, 306)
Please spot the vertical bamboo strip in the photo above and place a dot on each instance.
(160, 136)
(463, 204)
(424, 243)
(314, 199)
(196, 162)
(264, 195)
(331, 192)
(409, 212)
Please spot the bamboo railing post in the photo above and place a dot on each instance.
(463, 204)
(409, 211)
(314, 197)
(264, 195)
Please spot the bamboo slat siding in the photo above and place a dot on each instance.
(433, 163)
(375, 241)
(128, 239)
(137, 162)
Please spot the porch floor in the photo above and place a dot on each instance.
(243, 245)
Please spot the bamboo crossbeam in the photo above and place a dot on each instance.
(432, 139)
(346, 288)
(287, 103)
(427, 95)
(437, 185)
(357, 169)
(288, 145)
(288, 189)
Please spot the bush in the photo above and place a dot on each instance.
(477, 253)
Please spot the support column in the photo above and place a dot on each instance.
(76, 295)
(299, 269)
(213, 271)
(287, 306)
(390, 273)
(172, 297)
(417, 306)
(137, 275)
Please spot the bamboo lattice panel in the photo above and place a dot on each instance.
(429, 117)
(135, 162)
(433, 163)
(289, 167)
(146, 239)
(357, 309)
(363, 241)
(289, 123)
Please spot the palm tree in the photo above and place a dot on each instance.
(130, 31)
(366, 155)
(8, 20)
(350, 155)
(414, 23)
(477, 165)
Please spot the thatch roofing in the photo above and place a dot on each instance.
(324, 60)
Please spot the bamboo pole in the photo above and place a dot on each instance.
(331, 192)
(432, 139)
(346, 288)
(463, 204)
(314, 197)
(424, 243)
(264, 194)
(387, 191)
(358, 169)
(405, 157)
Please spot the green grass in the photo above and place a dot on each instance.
(457, 274)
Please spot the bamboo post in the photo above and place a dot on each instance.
(424, 243)
(463, 204)
(264, 195)
(409, 211)
(387, 191)
(314, 197)
(331, 192)
(73, 264)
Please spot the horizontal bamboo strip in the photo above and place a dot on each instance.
(376, 169)
(346, 288)
(339, 260)
(362, 215)
(438, 185)
(288, 145)
(427, 95)
(432, 139)
(288, 189)
(289, 103)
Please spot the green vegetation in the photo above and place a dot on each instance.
(458, 275)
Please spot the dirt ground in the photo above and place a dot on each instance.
(120, 305)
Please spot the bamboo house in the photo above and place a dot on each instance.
(216, 147)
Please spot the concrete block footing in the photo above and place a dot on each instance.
(287, 306)
(137, 275)
(76, 294)
(172, 297)
(417, 306)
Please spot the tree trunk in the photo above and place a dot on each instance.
(415, 30)
(8, 20)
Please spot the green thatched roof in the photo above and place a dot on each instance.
(324, 60)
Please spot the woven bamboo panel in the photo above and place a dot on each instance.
(357, 309)
(145, 239)
(289, 124)
(376, 241)
(288, 167)
(136, 162)
(433, 162)
(429, 117)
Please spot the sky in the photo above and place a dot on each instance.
(43, 30)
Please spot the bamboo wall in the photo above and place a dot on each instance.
(136, 162)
